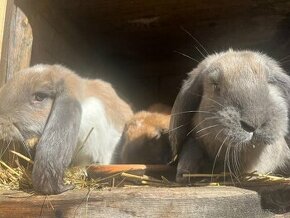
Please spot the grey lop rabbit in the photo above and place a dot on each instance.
(232, 114)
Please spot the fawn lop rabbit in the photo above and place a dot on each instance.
(78, 121)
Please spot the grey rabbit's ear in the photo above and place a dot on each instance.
(57, 144)
(187, 101)
(283, 82)
(116, 157)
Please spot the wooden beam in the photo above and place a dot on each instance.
(3, 4)
(17, 42)
(20, 43)
(136, 202)
(5, 18)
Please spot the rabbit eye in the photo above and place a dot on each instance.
(216, 87)
(40, 96)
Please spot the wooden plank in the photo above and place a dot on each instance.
(20, 43)
(56, 39)
(16, 50)
(3, 4)
(136, 202)
(5, 17)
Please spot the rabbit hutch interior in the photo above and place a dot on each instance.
(144, 49)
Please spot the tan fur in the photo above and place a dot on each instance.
(118, 111)
(32, 142)
(145, 139)
(146, 124)
(51, 106)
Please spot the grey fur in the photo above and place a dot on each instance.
(59, 137)
(55, 120)
(234, 106)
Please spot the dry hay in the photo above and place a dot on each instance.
(20, 178)
(245, 180)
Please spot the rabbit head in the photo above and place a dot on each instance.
(234, 103)
(41, 102)
(159, 108)
(145, 139)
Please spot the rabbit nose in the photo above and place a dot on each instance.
(247, 127)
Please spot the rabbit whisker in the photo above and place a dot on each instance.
(22, 140)
(217, 155)
(199, 51)
(209, 99)
(26, 149)
(205, 119)
(19, 136)
(287, 56)
(218, 134)
(233, 163)
(208, 127)
(285, 61)
(215, 102)
(3, 151)
(199, 137)
(186, 31)
(83, 144)
(229, 163)
(238, 149)
(176, 128)
(185, 112)
(187, 56)
(226, 164)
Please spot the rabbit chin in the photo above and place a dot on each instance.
(9, 132)
(248, 136)
(97, 136)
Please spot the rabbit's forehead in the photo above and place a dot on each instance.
(233, 68)
(139, 129)
(39, 68)
(33, 81)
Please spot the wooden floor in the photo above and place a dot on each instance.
(140, 202)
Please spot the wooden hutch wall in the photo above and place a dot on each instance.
(132, 43)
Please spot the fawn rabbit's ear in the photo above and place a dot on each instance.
(187, 101)
(57, 144)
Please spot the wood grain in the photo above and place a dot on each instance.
(136, 202)
(3, 5)
(6, 13)
(131, 43)
(20, 43)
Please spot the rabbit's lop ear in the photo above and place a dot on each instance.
(187, 101)
(57, 144)
(116, 157)
(283, 82)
